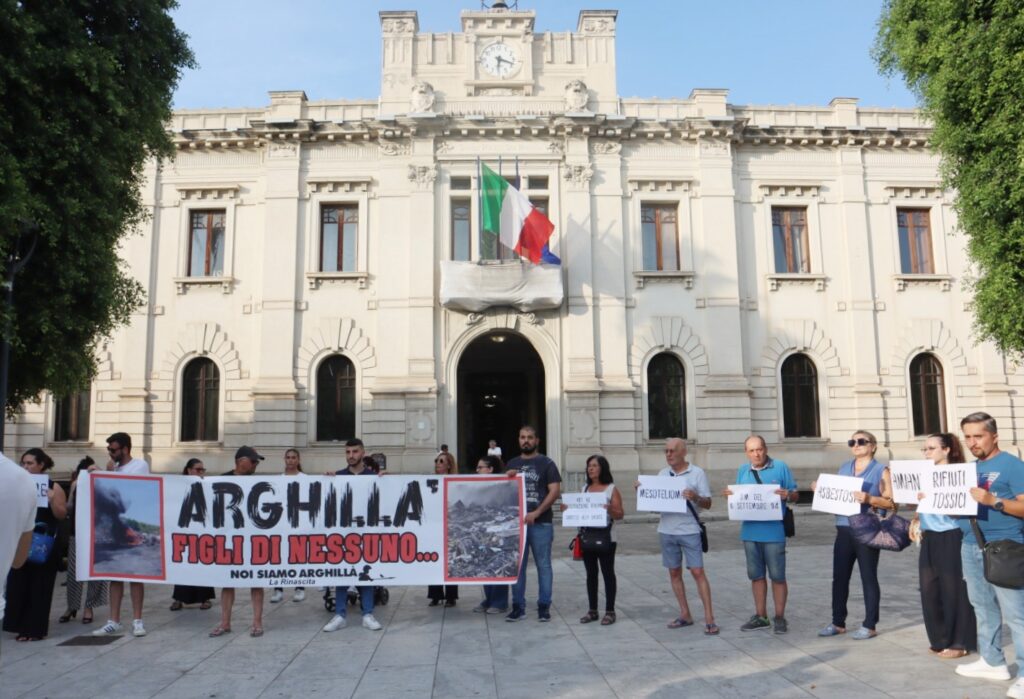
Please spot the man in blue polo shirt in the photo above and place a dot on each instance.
(1000, 498)
(765, 542)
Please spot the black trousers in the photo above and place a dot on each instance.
(606, 561)
(948, 615)
(845, 553)
(29, 594)
(448, 593)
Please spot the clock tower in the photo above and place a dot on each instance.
(499, 52)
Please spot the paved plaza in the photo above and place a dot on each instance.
(453, 653)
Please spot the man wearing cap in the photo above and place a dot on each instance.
(354, 453)
(246, 461)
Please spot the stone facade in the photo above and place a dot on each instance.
(271, 315)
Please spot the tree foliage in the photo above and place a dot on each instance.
(85, 89)
(965, 61)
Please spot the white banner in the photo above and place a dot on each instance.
(42, 482)
(660, 494)
(835, 494)
(755, 503)
(906, 479)
(254, 531)
(585, 510)
(947, 490)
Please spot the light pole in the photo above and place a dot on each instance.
(16, 261)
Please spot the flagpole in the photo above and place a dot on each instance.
(479, 210)
(519, 186)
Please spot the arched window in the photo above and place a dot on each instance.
(800, 397)
(335, 400)
(927, 394)
(71, 417)
(666, 397)
(200, 401)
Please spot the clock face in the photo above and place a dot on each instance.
(499, 60)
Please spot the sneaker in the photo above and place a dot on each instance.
(781, 625)
(543, 613)
(756, 622)
(496, 610)
(108, 629)
(1016, 690)
(137, 628)
(516, 614)
(371, 623)
(277, 596)
(863, 634)
(481, 608)
(980, 668)
(336, 622)
(299, 596)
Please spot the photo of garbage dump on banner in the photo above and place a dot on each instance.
(483, 536)
(127, 527)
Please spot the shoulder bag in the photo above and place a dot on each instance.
(1003, 560)
(703, 528)
(879, 531)
(788, 525)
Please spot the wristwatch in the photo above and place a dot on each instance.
(998, 505)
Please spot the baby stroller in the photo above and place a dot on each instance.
(380, 597)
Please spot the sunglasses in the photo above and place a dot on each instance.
(860, 442)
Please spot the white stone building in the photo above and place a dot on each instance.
(726, 269)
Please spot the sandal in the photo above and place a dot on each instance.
(21, 639)
(679, 623)
(87, 617)
(176, 606)
(711, 629)
(952, 653)
(832, 630)
(67, 616)
(589, 617)
(205, 605)
(256, 631)
(609, 619)
(220, 631)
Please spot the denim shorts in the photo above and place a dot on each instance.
(766, 554)
(676, 547)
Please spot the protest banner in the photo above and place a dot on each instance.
(660, 494)
(585, 510)
(947, 490)
(834, 494)
(906, 479)
(755, 503)
(42, 482)
(253, 531)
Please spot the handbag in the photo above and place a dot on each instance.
(1003, 560)
(788, 525)
(577, 548)
(42, 544)
(703, 528)
(596, 540)
(876, 531)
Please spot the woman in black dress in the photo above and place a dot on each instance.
(444, 465)
(96, 590)
(191, 594)
(30, 588)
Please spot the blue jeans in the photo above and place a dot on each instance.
(538, 540)
(993, 605)
(766, 554)
(365, 599)
(496, 596)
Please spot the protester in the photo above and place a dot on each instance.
(543, 486)
(95, 590)
(246, 461)
(680, 535)
(30, 588)
(764, 543)
(192, 594)
(444, 465)
(17, 519)
(495, 596)
(354, 455)
(948, 616)
(1000, 498)
(599, 480)
(292, 467)
(875, 492)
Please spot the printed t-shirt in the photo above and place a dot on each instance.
(1003, 476)
(538, 473)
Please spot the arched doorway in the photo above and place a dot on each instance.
(500, 384)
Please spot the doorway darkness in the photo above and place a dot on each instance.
(500, 386)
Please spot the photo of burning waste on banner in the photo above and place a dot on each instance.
(482, 529)
(127, 527)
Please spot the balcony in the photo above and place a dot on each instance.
(477, 286)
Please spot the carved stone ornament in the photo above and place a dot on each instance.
(576, 96)
(579, 175)
(597, 26)
(422, 98)
(499, 91)
(396, 26)
(605, 147)
(444, 147)
(557, 147)
(392, 148)
(474, 318)
(422, 175)
(283, 150)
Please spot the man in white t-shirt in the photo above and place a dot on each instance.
(17, 518)
(119, 447)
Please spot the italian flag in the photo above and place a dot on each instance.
(508, 213)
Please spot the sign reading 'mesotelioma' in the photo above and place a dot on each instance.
(252, 531)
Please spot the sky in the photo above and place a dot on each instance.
(783, 52)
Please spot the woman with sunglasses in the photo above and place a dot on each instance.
(948, 615)
(192, 594)
(444, 465)
(875, 492)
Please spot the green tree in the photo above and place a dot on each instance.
(85, 95)
(965, 61)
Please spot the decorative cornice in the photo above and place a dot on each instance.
(355, 183)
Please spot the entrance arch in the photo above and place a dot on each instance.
(500, 386)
